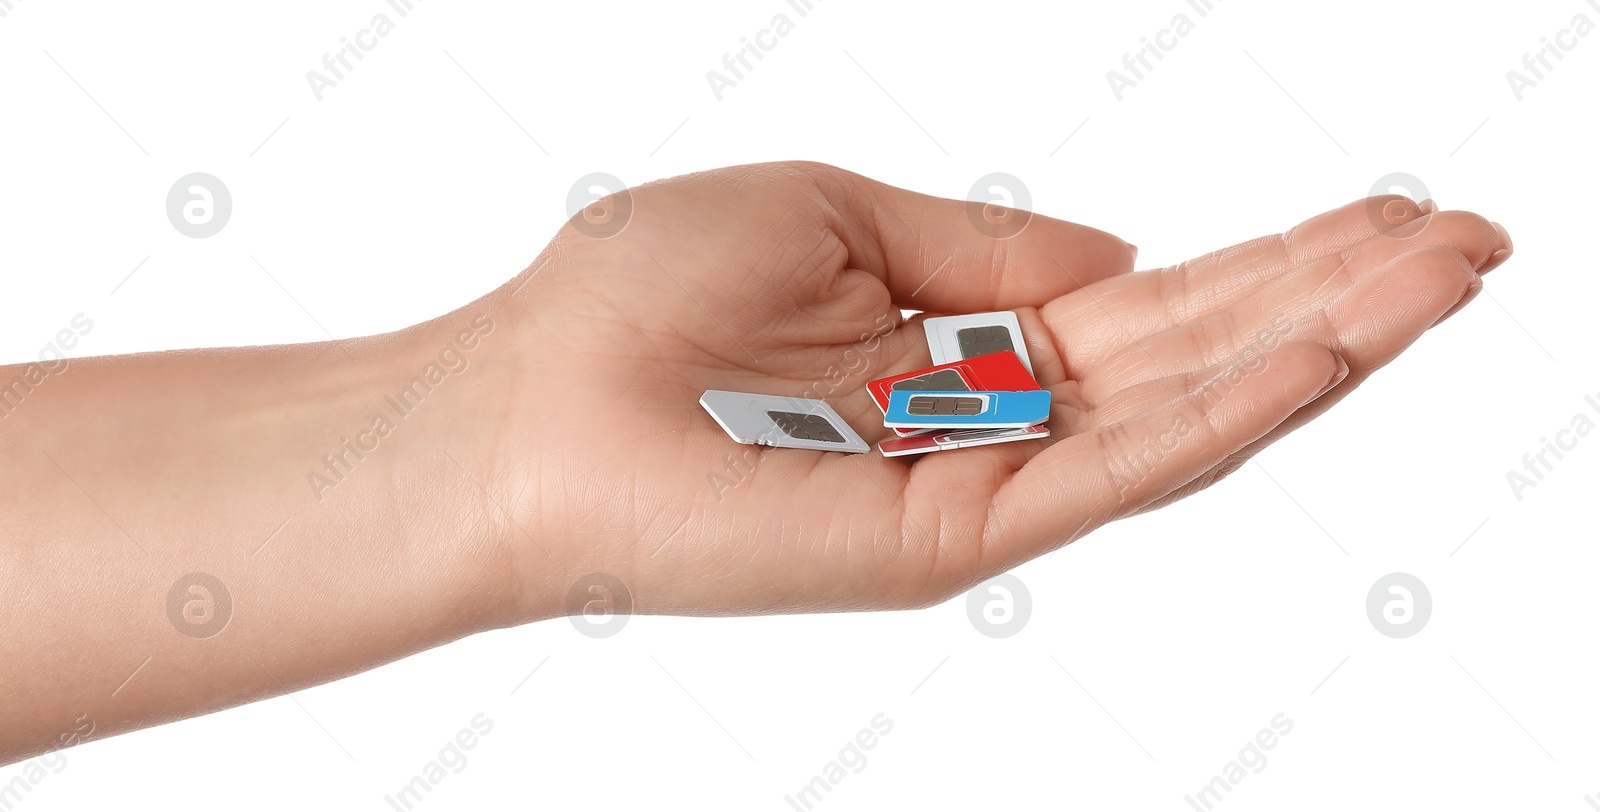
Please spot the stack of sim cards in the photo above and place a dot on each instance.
(980, 391)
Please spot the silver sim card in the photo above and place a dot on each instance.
(956, 338)
(781, 422)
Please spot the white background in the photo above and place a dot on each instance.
(1156, 648)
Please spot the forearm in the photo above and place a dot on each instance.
(346, 513)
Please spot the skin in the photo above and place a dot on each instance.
(485, 504)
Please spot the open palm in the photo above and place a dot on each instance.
(789, 279)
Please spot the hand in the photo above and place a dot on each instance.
(789, 279)
(347, 503)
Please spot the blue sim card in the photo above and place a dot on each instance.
(910, 408)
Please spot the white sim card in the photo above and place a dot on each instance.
(958, 438)
(956, 338)
(781, 422)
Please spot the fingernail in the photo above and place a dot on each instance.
(1428, 206)
(1496, 259)
(1466, 298)
(1505, 236)
(1338, 377)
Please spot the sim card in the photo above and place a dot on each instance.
(781, 422)
(953, 338)
(966, 410)
(996, 372)
(961, 438)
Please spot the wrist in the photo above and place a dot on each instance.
(439, 395)
(470, 384)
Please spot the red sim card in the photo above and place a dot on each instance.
(995, 372)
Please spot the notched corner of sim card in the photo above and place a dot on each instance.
(781, 422)
(955, 338)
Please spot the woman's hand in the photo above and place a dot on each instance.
(190, 531)
(789, 279)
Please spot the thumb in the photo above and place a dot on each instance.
(955, 256)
